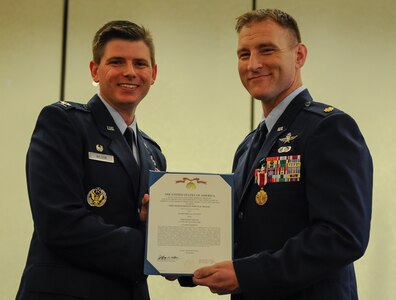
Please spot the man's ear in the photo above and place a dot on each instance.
(154, 73)
(302, 52)
(94, 70)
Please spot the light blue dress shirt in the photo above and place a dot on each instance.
(122, 126)
(278, 110)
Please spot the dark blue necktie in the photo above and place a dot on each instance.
(129, 135)
(257, 143)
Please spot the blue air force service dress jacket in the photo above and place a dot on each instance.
(302, 242)
(85, 190)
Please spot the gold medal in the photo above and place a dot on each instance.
(261, 197)
(260, 176)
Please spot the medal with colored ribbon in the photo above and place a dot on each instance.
(260, 176)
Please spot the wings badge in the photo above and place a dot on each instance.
(288, 138)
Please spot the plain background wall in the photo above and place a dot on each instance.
(198, 110)
(30, 51)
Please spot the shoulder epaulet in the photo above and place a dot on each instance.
(71, 105)
(146, 137)
(320, 108)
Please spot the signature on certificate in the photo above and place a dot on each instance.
(165, 258)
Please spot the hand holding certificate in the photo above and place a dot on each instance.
(189, 222)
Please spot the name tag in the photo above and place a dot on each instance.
(101, 157)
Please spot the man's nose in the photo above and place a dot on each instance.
(129, 70)
(254, 63)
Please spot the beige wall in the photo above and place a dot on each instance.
(198, 110)
(30, 51)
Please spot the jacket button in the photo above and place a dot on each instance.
(240, 215)
(235, 246)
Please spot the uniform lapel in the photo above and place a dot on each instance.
(239, 180)
(117, 145)
(280, 127)
(144, 164)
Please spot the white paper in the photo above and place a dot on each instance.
(189, 223)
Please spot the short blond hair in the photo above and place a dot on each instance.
(280, 17)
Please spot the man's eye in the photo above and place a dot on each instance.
(267, 50)
(243, 56)
(141, 64)
(115, 62)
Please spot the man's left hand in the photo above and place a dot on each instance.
(144, 208)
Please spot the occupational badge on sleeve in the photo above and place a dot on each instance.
(96, 197)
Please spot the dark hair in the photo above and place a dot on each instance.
(124, 30)
(276, 15)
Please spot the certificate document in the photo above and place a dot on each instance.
(189, 222)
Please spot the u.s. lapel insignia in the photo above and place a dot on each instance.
(328, 109)
(288, 138)
(284, 149)
(279, 128)
(96, 197)
(110, 128)
(99, 148)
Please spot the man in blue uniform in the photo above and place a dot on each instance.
(86, 180)
(303, 180)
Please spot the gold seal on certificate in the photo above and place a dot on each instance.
(191, 186)
(261, 197)
(189, 222)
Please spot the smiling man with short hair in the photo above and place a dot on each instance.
(87, 172)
